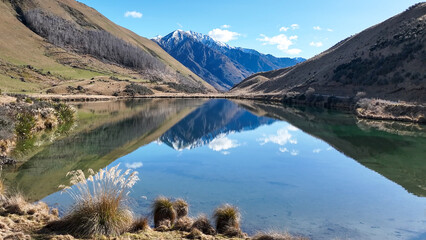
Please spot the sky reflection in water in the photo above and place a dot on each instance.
(280, 177)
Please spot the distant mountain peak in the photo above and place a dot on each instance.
(216, 62)
(180, 35)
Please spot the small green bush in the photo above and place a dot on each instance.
(25, 124)
(64, 112)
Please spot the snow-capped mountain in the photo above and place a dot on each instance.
(219, 64)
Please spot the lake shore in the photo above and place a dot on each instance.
(362, 107)
(22, 220)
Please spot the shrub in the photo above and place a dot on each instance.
(99, 207)
(225, 217)
(140, 224)
(134, 89)
(162, 209)
(181, 207)
(64, 112)
(202, 223)
(25, 124)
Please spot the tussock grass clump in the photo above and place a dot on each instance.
(203, 224)
(140, 224)
(276, 236)
(162, 209)
(195, 234)
(225, 217)
(183, 224)
(181, 207)
(99, 207)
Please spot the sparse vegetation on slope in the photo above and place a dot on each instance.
(98, 43)
(66, 47)
(385, 61)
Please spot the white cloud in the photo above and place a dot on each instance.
(329, 148)
(293, 51)
(294, 37)
(180, 25)
(282, 137)
(133, 14)
(282, 41)
(222, 142)
(318, 28)
(284, 29)
(225, 153)
(225, 26)
(223, 35)
(294, 152)
(133, 165)
(294, 26)
(283, 149)
(317, 150)
(316, 44)
(330, 30)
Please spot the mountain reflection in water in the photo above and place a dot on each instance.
(309, 171)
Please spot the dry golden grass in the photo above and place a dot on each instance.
(100, 203)
(162, 209)
(226, 216)
(181, 207)
(203, 224)
(140, 224)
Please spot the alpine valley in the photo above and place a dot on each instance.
(218, 63)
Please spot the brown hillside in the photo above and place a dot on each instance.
(30, 63)
(386, 61)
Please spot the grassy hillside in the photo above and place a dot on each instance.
(31, 63)
(385, 61)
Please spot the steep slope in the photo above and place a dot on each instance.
(219, 64)
(386, 61)
(38, 54)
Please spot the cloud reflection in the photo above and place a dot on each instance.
(222, 142)
(134, 165)
(282, 137)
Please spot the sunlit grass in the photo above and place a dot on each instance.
(99, 203)
(162, 209)
(226, 216)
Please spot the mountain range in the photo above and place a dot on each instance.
(386, 61)
(219, 64)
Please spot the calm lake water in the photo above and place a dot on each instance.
(311, 172)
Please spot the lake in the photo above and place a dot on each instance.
(313, 172)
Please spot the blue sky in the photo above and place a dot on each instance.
(283, 28)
